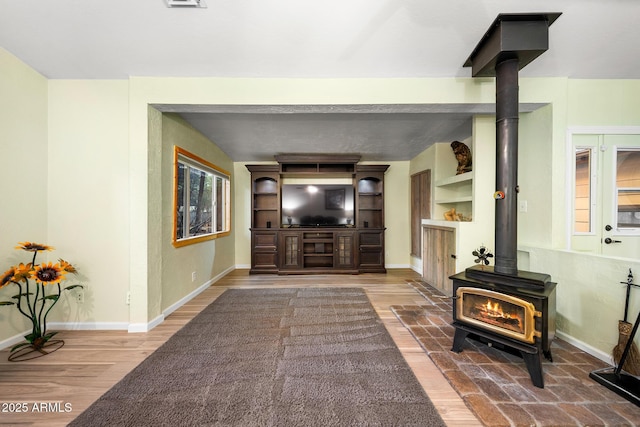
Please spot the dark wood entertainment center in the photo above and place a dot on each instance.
(279, 247)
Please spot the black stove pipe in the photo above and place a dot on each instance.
(512, 42)
(506, 221)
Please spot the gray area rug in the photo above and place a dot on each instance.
(272, 357)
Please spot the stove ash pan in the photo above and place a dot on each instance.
(510, 312)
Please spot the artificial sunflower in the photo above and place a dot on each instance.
(33, 247)
(22, 272)
(48, 273)
(7, 276)
(67, 266)
(35, 300)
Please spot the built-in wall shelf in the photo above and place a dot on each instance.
(447, 245)
(455, 179)
(454, 192)
(454, 200)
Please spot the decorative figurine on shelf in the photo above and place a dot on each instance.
(483, 255)
(463, 156)
(451, 215)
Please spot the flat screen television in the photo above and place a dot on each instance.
(317, 205)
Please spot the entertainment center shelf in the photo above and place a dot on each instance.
(344, 235)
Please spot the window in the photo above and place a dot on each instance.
(202, 207)
(628, 188)
(583, 188)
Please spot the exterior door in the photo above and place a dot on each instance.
(607, 195)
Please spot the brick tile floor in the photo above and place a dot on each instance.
(496, 385)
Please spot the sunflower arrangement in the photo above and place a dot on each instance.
(32, 300)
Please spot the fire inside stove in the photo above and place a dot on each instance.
(497, 312)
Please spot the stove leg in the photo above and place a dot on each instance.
(547, 355)
(458, 340)
(534, 366)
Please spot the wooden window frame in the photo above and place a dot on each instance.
(192, 161)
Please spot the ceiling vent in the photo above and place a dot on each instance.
(186, 3)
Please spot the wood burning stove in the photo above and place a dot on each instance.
(514, 312)
(528, 325)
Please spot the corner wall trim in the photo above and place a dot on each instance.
(145, 327)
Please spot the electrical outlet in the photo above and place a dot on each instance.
(80, 297)
(193, 276)
(128, 298)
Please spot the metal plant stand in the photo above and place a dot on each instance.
(29, 352)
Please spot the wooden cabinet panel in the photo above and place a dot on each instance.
(438, 261)
(420, 208)
(371, 251)
(264, 251)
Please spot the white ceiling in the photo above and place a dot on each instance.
(116, 39)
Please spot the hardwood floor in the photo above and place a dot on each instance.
(54, 389)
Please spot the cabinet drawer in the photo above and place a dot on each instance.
(315, 235)
(265, 240)
(265, 260)
(371, 239)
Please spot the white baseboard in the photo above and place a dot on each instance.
(13, 340)
(182, 301)
(390, 266)
(88, 326)
(145, 327)
(243, 266)
(119, 326)
(605, 357)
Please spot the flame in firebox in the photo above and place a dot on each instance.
(493, 310)
(501, 313)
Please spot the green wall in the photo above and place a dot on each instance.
(23, 149)
(108, 133)
(207, 259)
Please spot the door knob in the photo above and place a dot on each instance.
(609, 241)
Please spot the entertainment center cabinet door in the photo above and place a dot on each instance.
(371, 251)
(345, 246)
(290, 250)
(264, 253)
